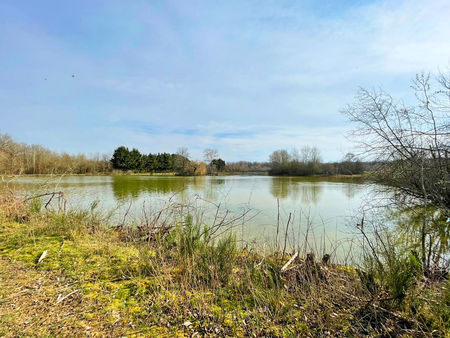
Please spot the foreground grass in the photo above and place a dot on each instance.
(96, 280)
(32, 303)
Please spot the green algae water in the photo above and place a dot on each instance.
(321, 212)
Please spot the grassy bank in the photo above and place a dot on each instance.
(71, 273)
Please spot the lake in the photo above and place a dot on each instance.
(322, 212)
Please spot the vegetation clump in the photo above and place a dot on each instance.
(179, 163)
(307, 162)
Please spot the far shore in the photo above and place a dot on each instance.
(173, 174)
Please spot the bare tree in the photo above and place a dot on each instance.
(350, 165)
(183, 151)
(182, 160)
(210, 154)
(411, 145)
(310, 156)
(17, 158)
(279, 161)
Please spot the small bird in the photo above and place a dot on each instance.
(73, 75)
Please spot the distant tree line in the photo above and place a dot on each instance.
(21, 158)
(307, 162)
(179, 163)
(246, 166)
(349, 165)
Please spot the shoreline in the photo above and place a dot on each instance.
(156, 280)
(358, 176)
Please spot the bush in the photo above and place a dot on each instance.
(394, 266)
(203, 260)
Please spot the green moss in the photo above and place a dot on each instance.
(158, 287)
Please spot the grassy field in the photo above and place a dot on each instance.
(71, 273)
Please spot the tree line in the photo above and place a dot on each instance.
(21, 158)
(179, 163)
(307, 162)
(125, 159)
(247, 166)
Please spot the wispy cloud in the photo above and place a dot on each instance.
(244, 77)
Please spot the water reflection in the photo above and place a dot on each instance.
(125, 186)
(296, 188)
(327, 201)
(310, 190)
(351, 190)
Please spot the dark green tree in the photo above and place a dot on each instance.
(149, 163)
(167, 162)
(121, 158)
(135, 160)
(219, 164)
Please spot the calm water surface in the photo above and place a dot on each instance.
(321, 209)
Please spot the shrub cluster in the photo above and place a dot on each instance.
(124, 159)
(307, 162)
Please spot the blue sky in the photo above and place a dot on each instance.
(245, 77)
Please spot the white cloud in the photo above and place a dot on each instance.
(410, 36)
(264, 75)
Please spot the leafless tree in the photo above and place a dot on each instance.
(310, 155)
(183, 151)
(280, 157)
(182, 160)
(210, 154)
(17, 158)
(410, 143)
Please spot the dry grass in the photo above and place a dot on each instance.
(177, 282)
(46, 303)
